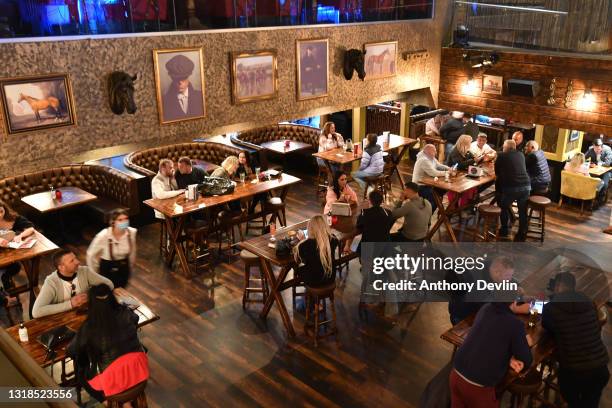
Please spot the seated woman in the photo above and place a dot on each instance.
(245, 167)
(329, 140)
(227, 170)
(461, 155)
(462, 158)
(112, 252)
(315, 255)
(578, 165)
(340, 191)
(372, 162)
(22, 229)
(109, 358)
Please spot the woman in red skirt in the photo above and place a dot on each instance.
(109, 358)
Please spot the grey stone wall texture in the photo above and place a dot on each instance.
(89, 61)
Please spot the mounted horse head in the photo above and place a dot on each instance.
(354, 60)
(121, 92)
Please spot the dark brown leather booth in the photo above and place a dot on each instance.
(253, 138)
(147, 161)
(113, 188)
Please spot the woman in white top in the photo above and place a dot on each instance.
(578, 165)
(329, 140)
(112, 252)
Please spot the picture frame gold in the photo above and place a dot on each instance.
(314, 79)
(375, 56)
(37, 102)
(493, 84)
(167, 84)
(238, 79)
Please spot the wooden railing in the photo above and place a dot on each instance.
(381, 118)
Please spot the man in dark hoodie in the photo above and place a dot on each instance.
(451, 131)
(571, 318)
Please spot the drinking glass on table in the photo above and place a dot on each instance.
(242, 177)
(257, 170)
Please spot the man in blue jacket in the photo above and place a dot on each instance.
(537, 168)
(372, 162)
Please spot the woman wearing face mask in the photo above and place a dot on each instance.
(112, 252)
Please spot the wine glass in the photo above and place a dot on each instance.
(242, 177)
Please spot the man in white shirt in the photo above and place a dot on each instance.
(66, 287)
(163, 184)
(427, 165)
(481, 151)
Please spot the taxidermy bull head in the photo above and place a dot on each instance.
(354, 60)
(121, 92)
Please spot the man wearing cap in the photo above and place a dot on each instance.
(600, 154)
(181, 101)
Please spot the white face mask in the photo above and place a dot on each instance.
(123, 225)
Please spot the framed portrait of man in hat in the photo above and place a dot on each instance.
(179, 81)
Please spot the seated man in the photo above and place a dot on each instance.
(481, 151)
(496, 342)
(66, 287)
(519, 140)
(188, 174)
(416, 212)
(537, 168)
(164, 184)
(462, 305)
(375, 222)
(427, 165)
(601, 154)
(571, 318)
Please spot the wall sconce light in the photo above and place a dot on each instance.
(587, 102)
(470, 87)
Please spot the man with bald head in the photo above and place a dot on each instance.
(427, 165)
(519, 140)
(512, 184)
(537, 168)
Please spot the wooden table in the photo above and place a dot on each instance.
(278, 146)
(343, 229)
(177, 209)
(72, 319)
(30, 259)
(592, 282)
(395, 142)
(458, 185)
(71, 196)
(599, 171)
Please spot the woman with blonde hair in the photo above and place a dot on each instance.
(228, 168)
(315, 254)
(461, 155)
(329, 140)
(579, 165)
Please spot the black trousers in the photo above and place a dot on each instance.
(582, 389)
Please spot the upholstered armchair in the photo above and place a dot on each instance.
(578, 186)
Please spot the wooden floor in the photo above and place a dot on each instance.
(205, 351)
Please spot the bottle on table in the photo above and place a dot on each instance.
(23, 333)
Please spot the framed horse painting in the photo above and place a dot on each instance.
(254, 76)
(312, 68)
(37, 102)
(380, 59)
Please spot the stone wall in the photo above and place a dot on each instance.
(90, 60)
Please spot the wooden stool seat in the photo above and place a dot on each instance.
(490, 215)
(527, 386)
(378, 182)
(536, 224)
(317, 298)
(322, 179)
(135, 395)
(251, 260)
(195, 233)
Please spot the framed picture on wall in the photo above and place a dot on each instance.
(380, 59)
(312, 68)
(37, 102)
(492, 84)
(254, 76)
(574, 135)
(179, 82)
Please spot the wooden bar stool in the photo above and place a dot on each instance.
(276, 207)
(195, 245)
(317, 297)
(252, 261)
(322, 179)
(490, 214)
(537, 203)
(528, 386)
(378, 182)
(163, 239)
(135, 395)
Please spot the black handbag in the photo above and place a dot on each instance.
(212, 186)
(283, 247)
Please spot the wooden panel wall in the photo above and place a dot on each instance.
(592, 73)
